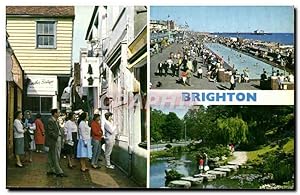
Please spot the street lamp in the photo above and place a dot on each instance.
(184, 131)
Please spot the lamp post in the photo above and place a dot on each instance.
(184, 131)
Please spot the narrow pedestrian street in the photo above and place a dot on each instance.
(33, 175)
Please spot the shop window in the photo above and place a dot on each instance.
(38, 104)
(46, 104)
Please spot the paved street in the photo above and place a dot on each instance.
(169, 82)
(33, 175)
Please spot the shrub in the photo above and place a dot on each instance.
(280, 165)
(172, 175)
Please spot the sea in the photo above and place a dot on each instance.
(282, 38)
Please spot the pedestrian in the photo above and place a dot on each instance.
(173, 69)
(54, 140)
(264, 76)
(84, 148)
(70, 127)
(165, 68)
(19, 131)
(206, 167)
(190, 64)
(232, 81)
(199, 72)
(97, 137)
(189, 77)
(194, 65)
(232, 148)
(201, 163)
(184, 77)
(160, 68)
(29, 142)
(280, 81)
(39, 137)
(110, 133)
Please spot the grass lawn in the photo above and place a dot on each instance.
(252, 155)
(289, 146)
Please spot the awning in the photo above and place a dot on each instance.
(139, 62)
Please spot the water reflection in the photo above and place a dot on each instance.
(241, 61)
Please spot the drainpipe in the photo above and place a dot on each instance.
(130, 140)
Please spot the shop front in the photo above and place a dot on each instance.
(41, 94)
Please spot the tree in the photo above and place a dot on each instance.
(172, 128)
(157, 120)
(232, 129)
(197, 124)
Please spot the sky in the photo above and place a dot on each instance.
(83, 15)
(272, 19)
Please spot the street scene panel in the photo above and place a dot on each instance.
(76, 90)
(222, 147)
(224, 47)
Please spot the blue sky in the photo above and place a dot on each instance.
(229, 18)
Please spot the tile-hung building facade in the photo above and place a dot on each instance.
(41, 37)
(117, 35)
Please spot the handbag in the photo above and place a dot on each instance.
(102, 141)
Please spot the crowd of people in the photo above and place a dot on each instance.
(186, 64)
(281, 78)
(72, 136)
(182, 64)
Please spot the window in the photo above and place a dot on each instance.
(46, 34)
(38, 104)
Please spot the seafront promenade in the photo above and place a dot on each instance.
(235, 55)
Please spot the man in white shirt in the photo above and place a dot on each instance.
(109, 136)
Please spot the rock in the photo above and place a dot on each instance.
(233, 167)
(193, 180)
(186, 161)
(207, 177)
(217, 173)
(180, 184)
(223, 169)
(216, 159)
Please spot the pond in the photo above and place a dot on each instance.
(242, 61)
(188, 167)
